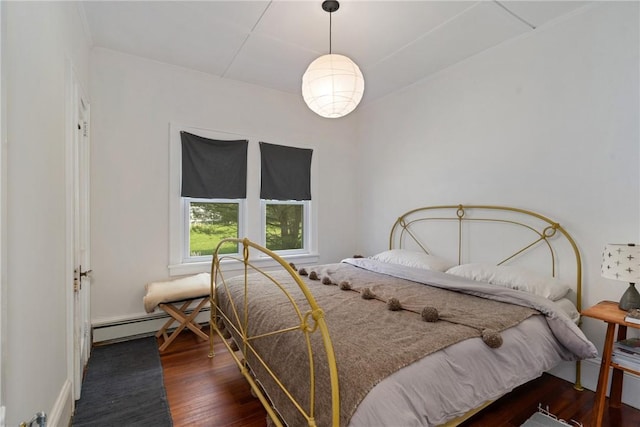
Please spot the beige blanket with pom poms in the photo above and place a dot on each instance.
(372, 337)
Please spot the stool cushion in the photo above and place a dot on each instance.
(186, 288)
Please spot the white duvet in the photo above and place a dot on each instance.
(450, 382)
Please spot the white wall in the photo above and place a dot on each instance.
(39, 37)
(547, 122)
(134, 100)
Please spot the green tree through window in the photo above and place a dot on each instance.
(284, 226)
(209, 223)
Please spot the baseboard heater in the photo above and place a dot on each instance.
(137, 325)
(130, 320)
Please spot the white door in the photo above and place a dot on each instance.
(81, 239)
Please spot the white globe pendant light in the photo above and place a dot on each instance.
(333, 84)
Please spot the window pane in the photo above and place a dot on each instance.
(209, 223)
(284, 226)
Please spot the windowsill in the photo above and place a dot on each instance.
(262, 262)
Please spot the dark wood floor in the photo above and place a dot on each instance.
(212, 393)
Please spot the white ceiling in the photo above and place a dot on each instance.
(271, 43)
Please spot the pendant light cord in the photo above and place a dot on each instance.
(330, 6)
(330, 13)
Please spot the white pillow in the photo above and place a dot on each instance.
(567, 306)
(513, 277)
(414, 259)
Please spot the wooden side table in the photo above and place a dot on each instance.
(608, 312)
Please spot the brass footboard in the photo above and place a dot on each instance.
(309, 321)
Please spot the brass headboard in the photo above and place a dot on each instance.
(496, 234)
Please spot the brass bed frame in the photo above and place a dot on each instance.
(407, 232)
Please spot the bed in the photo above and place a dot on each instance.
(467, 303)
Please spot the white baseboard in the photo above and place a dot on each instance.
(60, 414)
(589, 379)
(120, 328)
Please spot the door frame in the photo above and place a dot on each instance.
(3, 212)
(77, 230)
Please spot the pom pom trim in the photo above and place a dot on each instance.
(430, 314)
(394, 304)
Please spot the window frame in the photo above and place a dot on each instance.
(306, 225)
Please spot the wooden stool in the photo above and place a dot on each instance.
(175, 297)
(186, 321)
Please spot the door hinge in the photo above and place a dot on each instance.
(76, 281)
(78, 274)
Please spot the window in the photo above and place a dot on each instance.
(285, 192)
(207, 195)
(206, 210)
(209, 222)
(214, 181)
(286, 226)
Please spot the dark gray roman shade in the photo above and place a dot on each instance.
(285, 173)
(213, 169)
